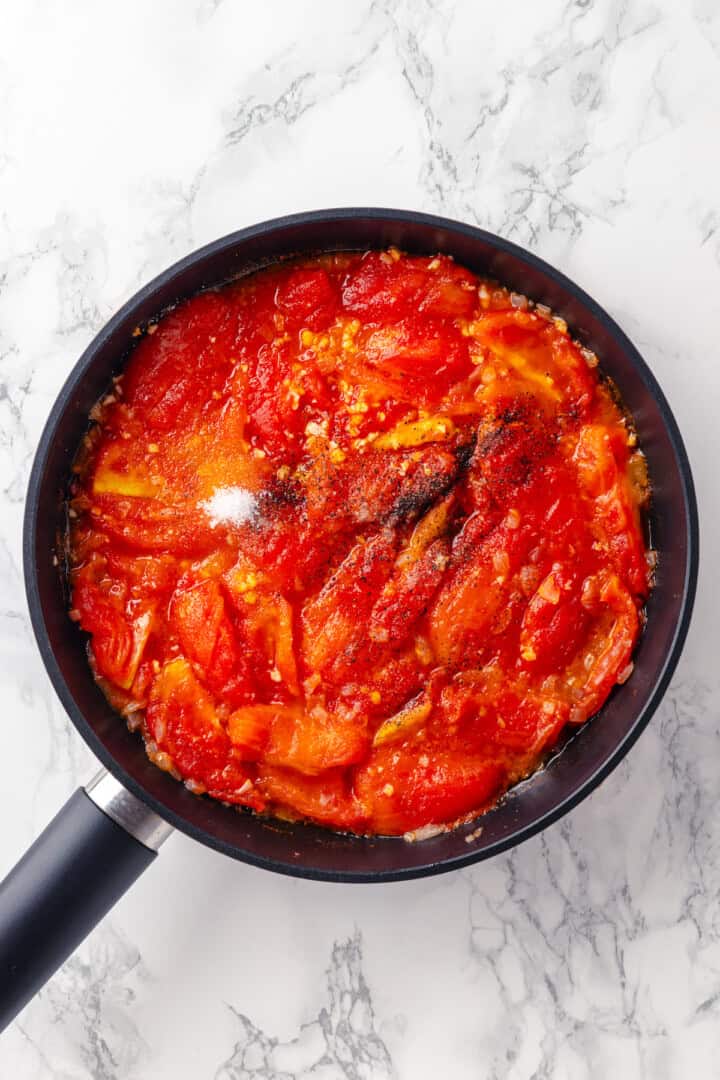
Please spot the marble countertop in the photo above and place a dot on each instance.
(588, 131)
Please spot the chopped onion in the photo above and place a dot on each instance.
(426, 832)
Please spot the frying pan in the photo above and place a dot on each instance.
(109, 832)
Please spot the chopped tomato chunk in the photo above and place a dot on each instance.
(119, 633)
(185, 726)
(333, 630)
(308, 297)
(208, 638)
(327, 799)
(417, 349)
(405, 791)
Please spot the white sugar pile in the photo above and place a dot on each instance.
(230, 506)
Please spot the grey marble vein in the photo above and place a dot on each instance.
(341, 1042)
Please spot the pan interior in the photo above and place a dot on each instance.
(307, 850)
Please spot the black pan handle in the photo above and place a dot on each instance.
(87, 857)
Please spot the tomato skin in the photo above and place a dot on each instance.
(409, 793)
(381, 286)
(145, 525)
(170, 374)
(355, 538)
(119, 630)
(421, 350)
(208, 638)
(326, 799)
(555, 622)
(182, 721)
(308, 298)
(333, 632)
(321, 741)
(265, 409)
(112, 637)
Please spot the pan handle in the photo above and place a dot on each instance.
(87, 857)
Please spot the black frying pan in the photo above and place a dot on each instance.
(106, 835)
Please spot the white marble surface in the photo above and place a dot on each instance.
(130, 134)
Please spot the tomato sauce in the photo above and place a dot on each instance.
(356, 538)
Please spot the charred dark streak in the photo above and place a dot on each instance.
(281, 493)
(413, 504)
(464, 452)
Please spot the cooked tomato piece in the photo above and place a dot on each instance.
(555, 621)
(333, 630)
(119, 635)
(197, 613)
(510, 448)
(321, 741)
(271, 621)
(606, 660)
(308, 297)
(327, 799)
(309, 742)
(208, 638)
(451, 291)
(478, 712)
(421, 350)
(172, 374)
(400, 791)
(475, 590)
(548, 362)
(408, 594)
(399, 485)
(147, 575)
(378, 287)
(112, 640)
(382, 285)
(184, 725)
(270, 419)
(151, 525)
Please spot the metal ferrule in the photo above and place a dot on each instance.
(127, 811)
